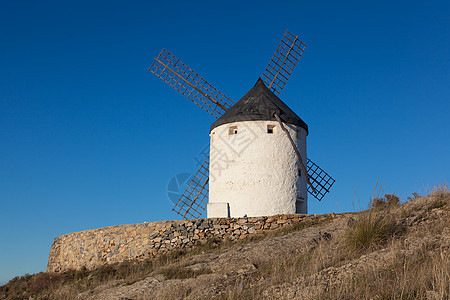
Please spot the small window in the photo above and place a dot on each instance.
(270, 129)
(299, 173)
(299, 133)
(232, 130)
(300, 199)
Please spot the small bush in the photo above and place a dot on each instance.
(392, 199)
(378, 203)
(389, 200)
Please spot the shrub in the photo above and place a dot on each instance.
(388, 200)
(377, 203)
(392, 199)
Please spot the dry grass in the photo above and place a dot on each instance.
(371, 230)
(422, 274)
(45, 285)
(416, 264)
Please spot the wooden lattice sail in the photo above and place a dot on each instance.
(194, 199)
(171, 70)
(183, 79)
(321, 182)
(283, 62)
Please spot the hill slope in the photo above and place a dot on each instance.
(389, 251)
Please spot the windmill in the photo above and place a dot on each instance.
(266, 176)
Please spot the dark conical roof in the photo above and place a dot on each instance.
(259, 104)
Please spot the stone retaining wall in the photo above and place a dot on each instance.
(96, 247)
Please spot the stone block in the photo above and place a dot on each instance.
(218, 210)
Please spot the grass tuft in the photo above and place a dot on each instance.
(370, 230)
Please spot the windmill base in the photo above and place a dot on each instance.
(218, 210)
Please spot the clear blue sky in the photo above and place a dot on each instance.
(89, 138)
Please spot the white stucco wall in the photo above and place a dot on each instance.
(256, 173)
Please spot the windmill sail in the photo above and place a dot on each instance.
(166, 66)
(320, 180)
(188, 83)
(183, 79)
(193, 201)
(283, 62)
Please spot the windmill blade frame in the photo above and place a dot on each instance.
(283, 62)
(183, 79)
(171, 70)
(192, 202)
(320, 180)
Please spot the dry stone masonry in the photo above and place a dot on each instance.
(96, 247)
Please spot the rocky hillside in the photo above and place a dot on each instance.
(391, 251)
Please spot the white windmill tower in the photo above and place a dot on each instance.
(254, 170)
(258, 145)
